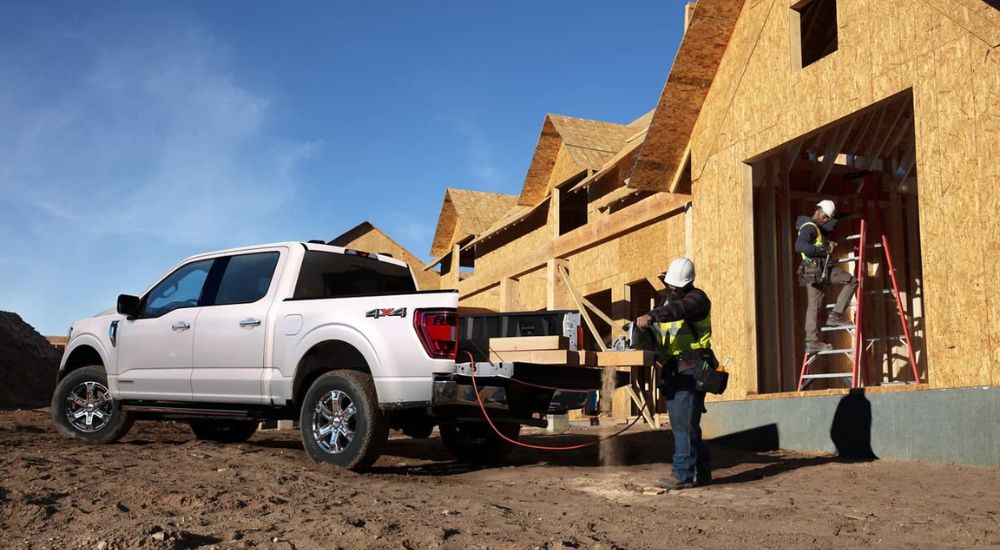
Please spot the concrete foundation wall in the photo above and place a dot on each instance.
(948, 425)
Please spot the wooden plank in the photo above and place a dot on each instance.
(627, 219)
(529, 343)
(632, 358)
(543, 357)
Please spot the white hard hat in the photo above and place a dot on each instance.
(827, 207)
(680, 274)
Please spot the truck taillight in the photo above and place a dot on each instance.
(438, 331)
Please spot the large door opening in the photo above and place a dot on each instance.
(787, 183)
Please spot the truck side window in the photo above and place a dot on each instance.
(182, 288)
(333, 275)
(246, 278)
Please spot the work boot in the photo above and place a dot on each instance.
(673, 484)
(835, 319)
(816, 346)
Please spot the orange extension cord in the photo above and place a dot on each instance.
(482, 407)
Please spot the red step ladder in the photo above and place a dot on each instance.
(858, 375)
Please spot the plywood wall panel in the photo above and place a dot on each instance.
(953, 272)
(985, 63)
(723, 249)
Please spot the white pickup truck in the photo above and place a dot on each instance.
(340, 340)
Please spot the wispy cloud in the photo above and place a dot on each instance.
(120, 152)
(159, 139)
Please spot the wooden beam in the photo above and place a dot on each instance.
(632, 358)
(892, 134)
(830, 155)
(529, 343)
(685, 160)
(543, 357)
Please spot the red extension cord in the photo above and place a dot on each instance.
(482, 407)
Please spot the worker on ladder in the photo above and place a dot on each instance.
(684, 327)
(815, 273)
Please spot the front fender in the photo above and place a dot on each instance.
(86, 339)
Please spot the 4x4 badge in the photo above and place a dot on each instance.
(386, 312)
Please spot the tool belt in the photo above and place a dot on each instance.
(701, 364)
(812, 272)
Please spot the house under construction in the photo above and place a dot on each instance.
(770, 106)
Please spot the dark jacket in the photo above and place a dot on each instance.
(807, 236)
(693, 305)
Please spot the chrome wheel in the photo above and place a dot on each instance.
(334, 421)
(89, 406)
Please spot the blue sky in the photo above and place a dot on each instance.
(135, 134)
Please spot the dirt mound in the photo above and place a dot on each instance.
(28, 364)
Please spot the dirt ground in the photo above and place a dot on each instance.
(160, 488)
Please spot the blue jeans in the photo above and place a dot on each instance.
(684, 406)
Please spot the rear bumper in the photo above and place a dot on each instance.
(450, 392)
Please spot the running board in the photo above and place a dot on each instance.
(181, 410)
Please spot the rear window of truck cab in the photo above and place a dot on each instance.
(333, 275)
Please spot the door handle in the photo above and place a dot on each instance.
(250, 323)
(180, 325)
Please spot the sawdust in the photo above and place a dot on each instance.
(609, 449)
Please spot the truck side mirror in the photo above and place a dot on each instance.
(128, 305)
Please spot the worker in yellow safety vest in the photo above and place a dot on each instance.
(815, 273)
(684, 325)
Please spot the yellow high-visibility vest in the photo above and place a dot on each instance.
(818, 241)
(677, 336)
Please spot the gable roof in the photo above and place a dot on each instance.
(467, 213)
(587, 143)
(698, 58)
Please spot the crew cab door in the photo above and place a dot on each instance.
(231, 331)
(155, 348)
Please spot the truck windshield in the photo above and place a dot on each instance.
(333, 275)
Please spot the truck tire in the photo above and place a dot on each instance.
(224, 431)
(341, 421)
(82, 407)
(477, 443)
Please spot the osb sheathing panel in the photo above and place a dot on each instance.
(563, 169)
(595, 264)
(986, 89)
(487, 299)
(650, 250)
(536, 181)
(511, 250)
(531, 290)
(951, 184)
(758, 102)
(723, 263)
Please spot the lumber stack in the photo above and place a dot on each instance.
(551, 350)
(542, 350)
